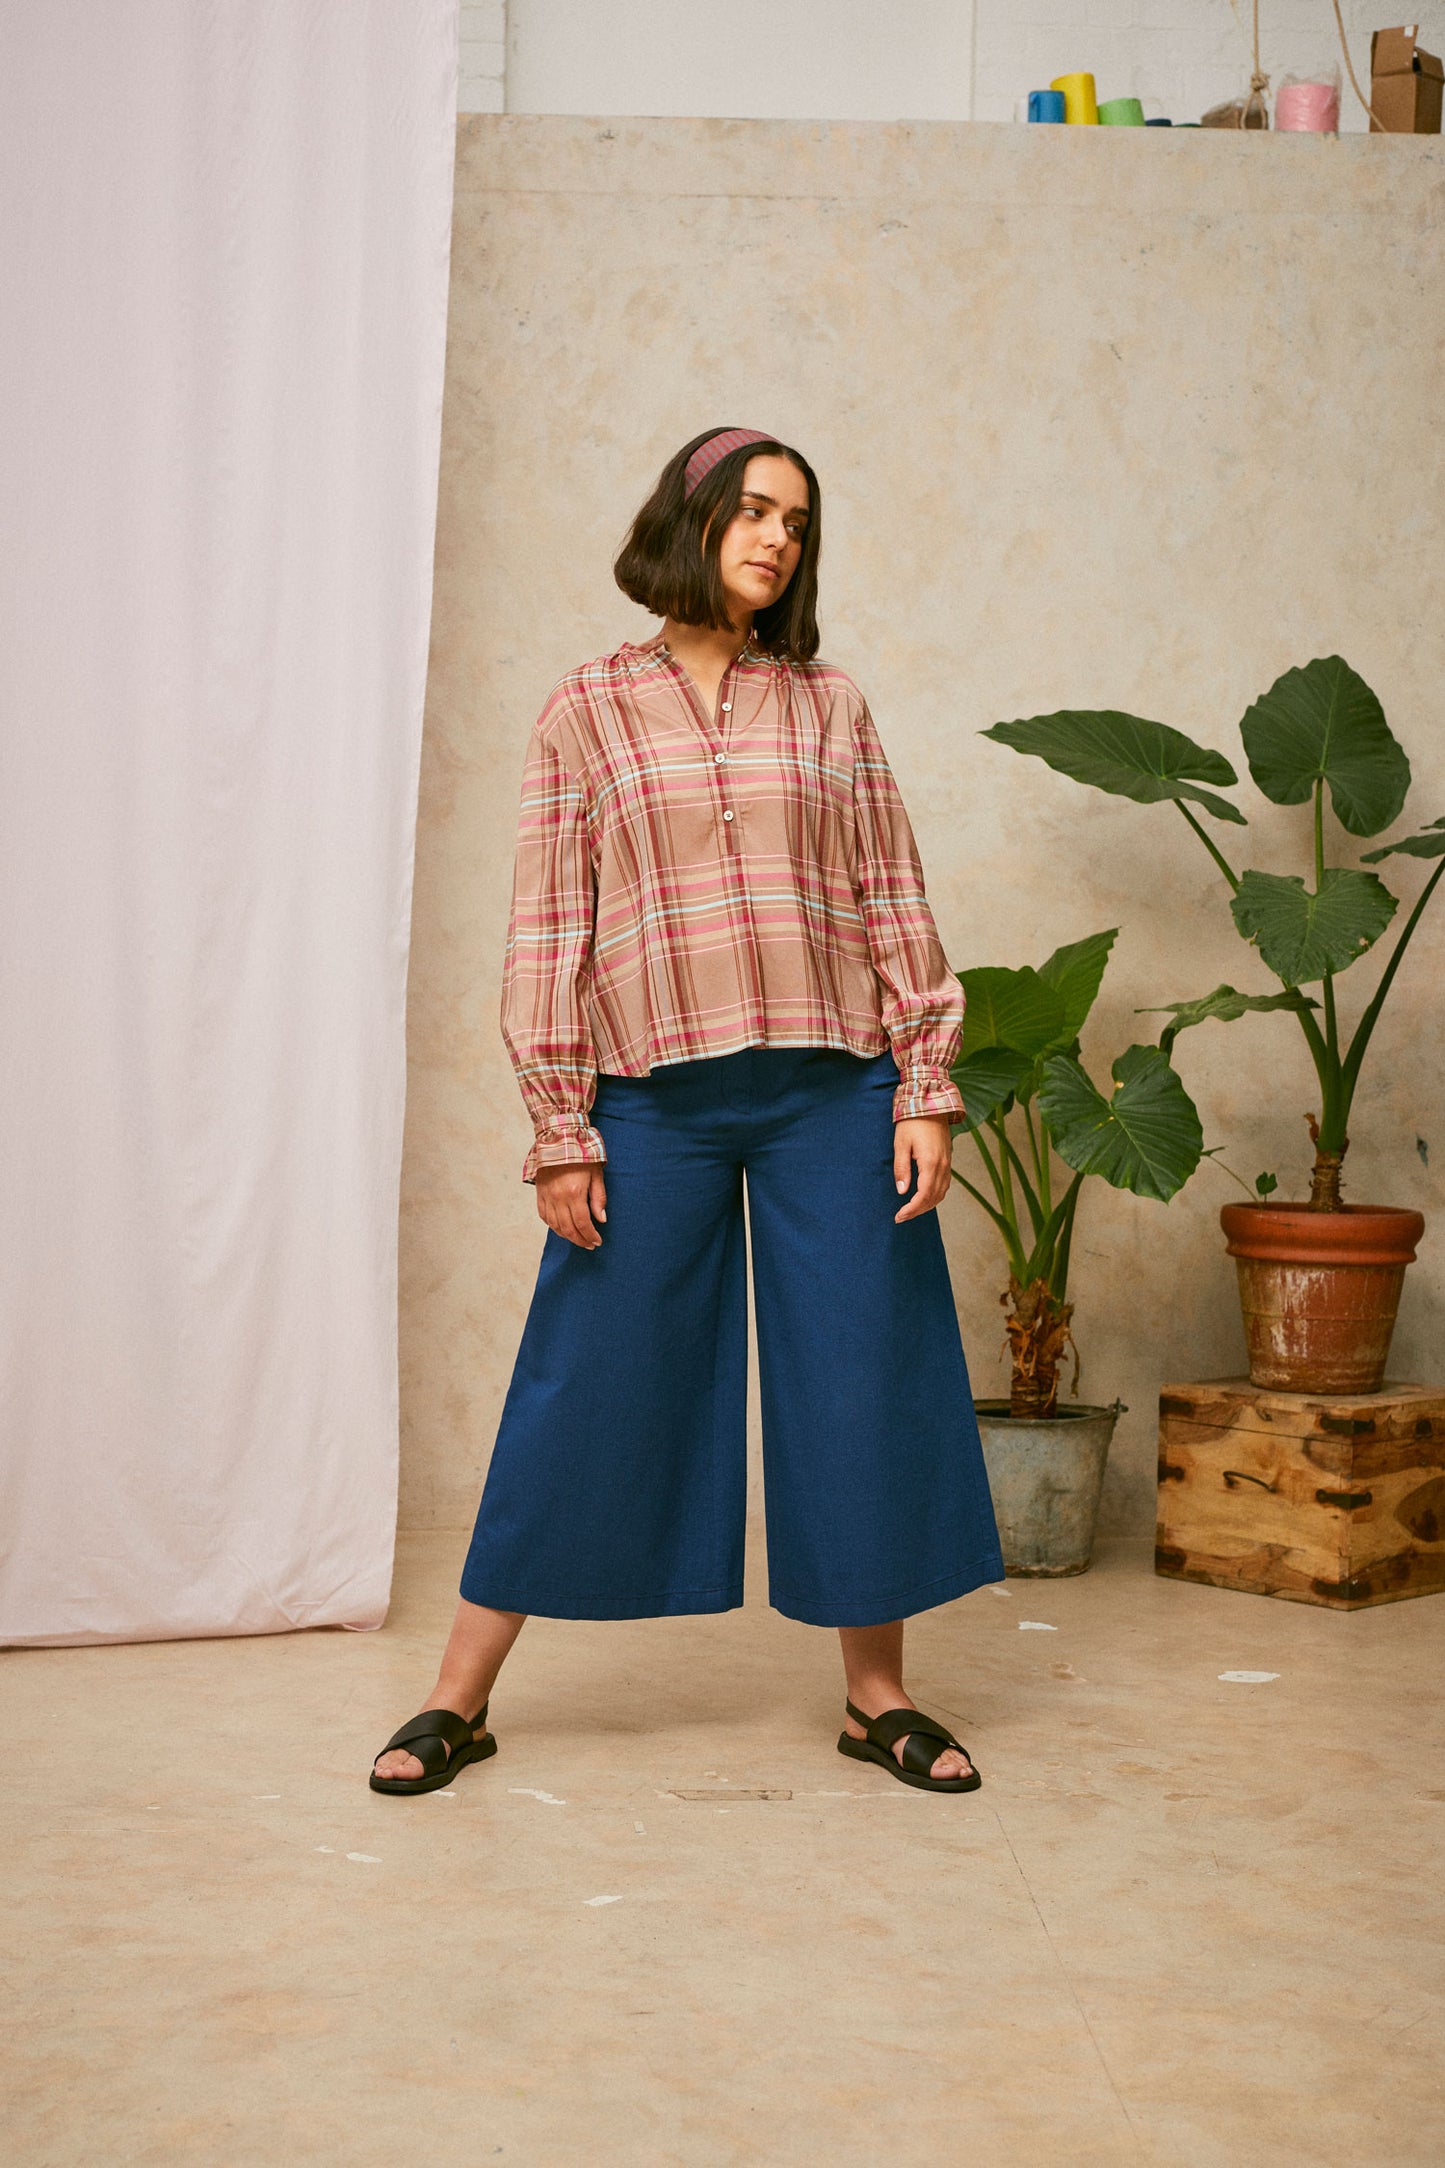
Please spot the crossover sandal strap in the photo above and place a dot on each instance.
(918, 1755)
(921, 1750)
(434, 1736)
(887, 1729)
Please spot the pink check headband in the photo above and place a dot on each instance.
(707, 455)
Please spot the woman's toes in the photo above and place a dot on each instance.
(398, 1764)
(950, 1764)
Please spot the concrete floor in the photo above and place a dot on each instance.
(1186, 1921)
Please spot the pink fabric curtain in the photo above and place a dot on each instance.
(224, 227)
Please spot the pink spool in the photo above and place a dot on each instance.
(1308, 107)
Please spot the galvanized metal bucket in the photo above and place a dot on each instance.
(1046, 1478)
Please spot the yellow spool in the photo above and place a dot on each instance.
(1081, 105)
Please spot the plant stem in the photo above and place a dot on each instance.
(1006, 1201)
(1219, 859)
(1059, 1277)
(1005, 1218)
(1039, 1174)
(1046, 1177)
(993, 1174)
(1371, 1017)
(1330, 1141)
(1332, 1029)
(1332, 1107)
(1042, 1263)
(1225, 1168)
(1036, 1214)
(996, 1216)
(1314, 1040)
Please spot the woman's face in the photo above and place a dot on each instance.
(763, 541)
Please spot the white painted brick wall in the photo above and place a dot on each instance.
(1179, 56)
(758, 59)
(481, 84)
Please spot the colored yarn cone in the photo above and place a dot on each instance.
(1308, 107)
(1081, 106)
(1047, 105)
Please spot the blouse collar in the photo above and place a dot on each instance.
(656, 649)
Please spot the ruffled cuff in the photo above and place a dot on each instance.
(925, 1090)
(566, 1140)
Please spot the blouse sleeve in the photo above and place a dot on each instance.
(922, 1005)
(547, 966)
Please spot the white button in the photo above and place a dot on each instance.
(719, 756)
(727, 816)
(727, 707)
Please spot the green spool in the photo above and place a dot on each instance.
(1121, 113)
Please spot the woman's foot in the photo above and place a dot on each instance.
(475, 1652)
(952, 1762)
(398, 1763)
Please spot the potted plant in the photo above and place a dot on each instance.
(1320, 1279)
(1040, 1125)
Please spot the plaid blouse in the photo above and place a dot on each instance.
(685, 887)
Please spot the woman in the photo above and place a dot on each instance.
(721, 962)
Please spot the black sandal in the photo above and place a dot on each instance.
(430, 1736)
(883, 1733)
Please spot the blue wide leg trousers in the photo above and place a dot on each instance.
(617, 1486)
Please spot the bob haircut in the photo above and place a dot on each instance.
(669, 562)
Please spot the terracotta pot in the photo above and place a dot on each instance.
(1319, 1291)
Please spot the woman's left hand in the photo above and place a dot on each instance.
(924, 1138)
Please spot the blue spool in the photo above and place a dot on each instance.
(1046, 105)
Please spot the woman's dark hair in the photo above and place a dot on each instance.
(669, 562)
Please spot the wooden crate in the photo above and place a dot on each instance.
(1335, 1499)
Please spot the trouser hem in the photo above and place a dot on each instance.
(891, 1604)
(680, 1603)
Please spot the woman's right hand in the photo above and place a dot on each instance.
(569, 1198)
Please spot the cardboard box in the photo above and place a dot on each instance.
(1405, 84)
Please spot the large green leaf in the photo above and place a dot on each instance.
(1301, 935)
(1145, 1138)
(1124, 754)
(1074, 972)
(1225, 1005)
(988, 1079)
(1430, 843)
(1015, 1009)
(1323, 723)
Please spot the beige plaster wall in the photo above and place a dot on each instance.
(1102, 419)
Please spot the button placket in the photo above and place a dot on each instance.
(720, 756)
(713, 726)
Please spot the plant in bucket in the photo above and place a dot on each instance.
(1040, 1125)
(1320, 1279)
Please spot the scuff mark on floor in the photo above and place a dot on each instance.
(767, 1792)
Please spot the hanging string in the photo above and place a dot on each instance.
(1350, 67)
(1258, 84)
